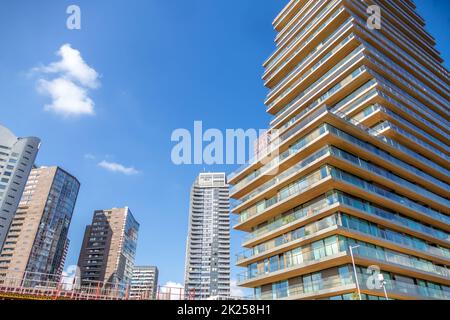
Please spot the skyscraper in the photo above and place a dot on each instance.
(207, 269)
(144, 283)
(109, 247)
(17, 157)
(357, 168)
(35, 246)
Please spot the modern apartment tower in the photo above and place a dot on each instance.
(36, 244)
(17, 157)
(207, 269)
(144, 283)
(109, 247)
(357, 167)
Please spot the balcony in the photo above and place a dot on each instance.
(302, 261)
(335, 285)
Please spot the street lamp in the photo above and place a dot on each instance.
(383, 284)
(354, 270)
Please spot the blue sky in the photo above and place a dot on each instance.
(162, 64)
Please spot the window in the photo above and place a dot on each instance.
(318, 250)
(280, 290)
(331, 246)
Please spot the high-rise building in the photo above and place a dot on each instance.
(358, 161)
(17, 157)
(109, 247)
(144, 283)
(64, 257)
(207, 269)
(35, 246)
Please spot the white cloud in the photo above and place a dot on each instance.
(69, 89)
(67, 97)
(117, 167)
(89, 156)
(171, 291)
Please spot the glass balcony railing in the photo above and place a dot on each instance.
(394, 49)
(386, 156)
(406, 75)
(388, 175)
(296, 168)
(297, 146)
(308, 139)
(307, 288)
(354, 160)
(296, 39)
(407, 84)
(435, 67)
(330, 247)
(289, 237)
(376, 107)
(325, 202)
(321, 62)
(288, 113)
(368, 187)
(410, 101)
(318, 84)
(290, 259)
(293, 189)
(282, 17)
(322, 45)
(388, 125)
(427, 123)
(376, 132)
(309, 209)
(351, 223)
(398, 219)
(298, 21)
(388, 256)
(349, 108)
(393, 287)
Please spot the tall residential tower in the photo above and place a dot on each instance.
(109, 248)
(207, 270)
(36, 244)
(358, 161)
(17, 157)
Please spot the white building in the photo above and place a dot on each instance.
(144, 283)
(207, 268)
(17, 157)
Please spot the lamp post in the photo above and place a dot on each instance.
(383, 284)
(354, 270)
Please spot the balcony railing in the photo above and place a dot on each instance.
(301, 257)
(393, 287)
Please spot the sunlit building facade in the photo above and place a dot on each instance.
(17, 157)
(144, 283)
(37, 242)
(109, 248)
(207, 268)
(358, 161)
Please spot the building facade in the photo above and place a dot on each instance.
(144, 283)
(17, 157)
(109, 247)
(357, 169)
(207, 268)
(36, 244)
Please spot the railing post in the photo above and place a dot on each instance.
(97, 291)
(127, 292)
